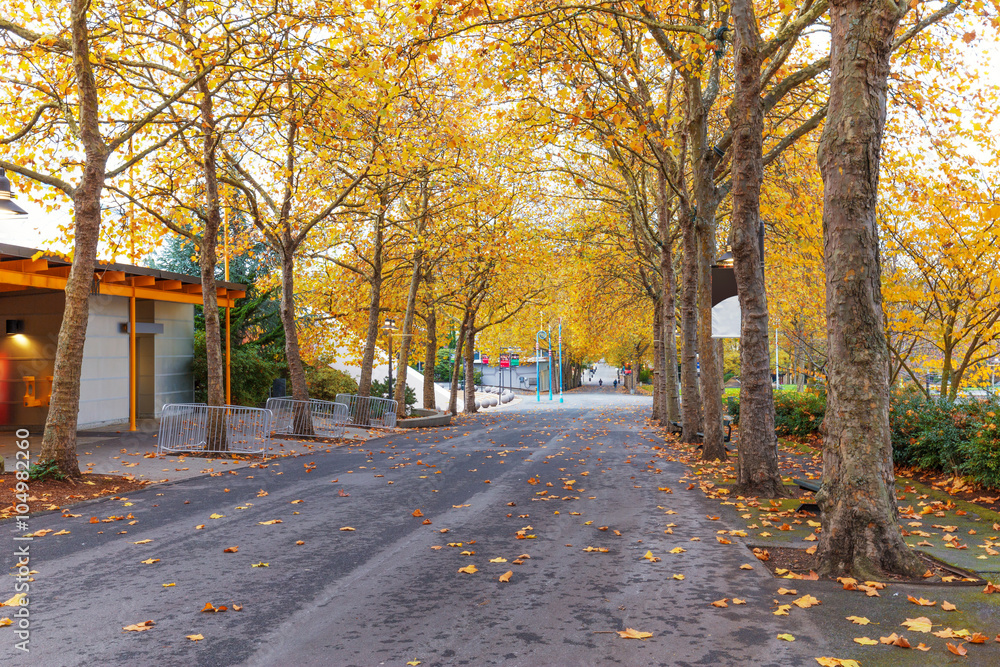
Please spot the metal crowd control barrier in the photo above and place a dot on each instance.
(369, 411)
(328, 418)
(196, 427)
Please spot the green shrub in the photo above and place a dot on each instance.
(326, 383)
(795, 413)
(981, 453)
(253, 371)
(645, 376)
(384, 390)
(928, 433)
(798, 413)
(44, 470)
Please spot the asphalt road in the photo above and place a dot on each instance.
(390, 592)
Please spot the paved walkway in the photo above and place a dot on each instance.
(353, 557)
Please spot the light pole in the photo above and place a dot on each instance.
(388, 328)
(8, 208)
(560, 362)
(538, 371)
(549, 339)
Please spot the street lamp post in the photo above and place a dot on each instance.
(538, 371)
(388, 328)
(549, 339)
(8, 207)
(560, 363)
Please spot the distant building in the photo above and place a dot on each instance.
(32, 299)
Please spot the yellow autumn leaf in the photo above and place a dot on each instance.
(5, 622)
(150, 561)
(14, 601)
(411, 663)
(217, 516)
(859, 620)
(505, 577)
(630, 633)
(865, 641)
(139, 627)
(650, 557)
(498, 559)
(679, 577)
(195, 638)
(347, 528)
(269, 523)
(143, 542)
(468, 569)
(806, 601)
(677, 550)
(261, 564)
(169, 585)
(786, 637)
(921, 624)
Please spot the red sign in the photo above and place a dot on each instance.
(485, 359)
(504, 361)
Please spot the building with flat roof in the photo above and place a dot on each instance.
(139, 346)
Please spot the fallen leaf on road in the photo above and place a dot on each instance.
(347, 528)
(860, 620)
(468, 569)
(762, 554)
(806, 601)
(739, 601)
(837, 662)
(865, 641)
(4, 622)
(498, 559)
(199, 526)
(143, 542)
(230, 550)
(782, 610)
(978, 638)
(300, 542)
(787, 591)
(630, 633)
(237, 607)
(505, 577)
(417, 513)
(723, 540)
(468, 553)
(947, 606)
(168, 585)
(413, 663)
(269, 523)
(194, 638)
(150, 561)
(261, 564)
(679, 577)
(921, 624)
(139, 627)
(342, 493)
(720, 603)
(677, 550)
(923, 602)
(786, 637)
(14, 601)
(958, 650)
(650, 557)
(217, 516)
(922, 647)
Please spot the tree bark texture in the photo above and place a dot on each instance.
(861, 533)
(459, 346)
(713, 446)
(658, 406)
(691, 391)
(374, 311)
(470, 369)
(296, 372)
(430, 357)
(757, 471)
(407, 334)
(59, 438)
(668, 303)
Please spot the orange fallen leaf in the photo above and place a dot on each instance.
(746, 566)
(739, 601)
(806, 601)
(947, 606)
(300, 542)
(195, 638)
(269, 523)
(342, 493)
(426, 522)
(417, 513)
(721, 603)
(230, 550)
(469, 569)
(505, 577)
(348, 528)
(957, 650)
(923, 602)
(978, 638)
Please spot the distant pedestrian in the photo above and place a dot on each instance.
(600, 383)
(616, 383)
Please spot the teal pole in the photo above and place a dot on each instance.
(538, 376)
(560, 363)
(550, 363)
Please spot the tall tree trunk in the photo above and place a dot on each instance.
(668, 334)
(430, 358)
(407, 334)
(300, 391)
(207, 256)
(713, 446)
(59, 438)
(470, 369)
(459, 346)
(658, 408)
(691, 391)
(757, 471)
(374, 312)
(861, 533)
